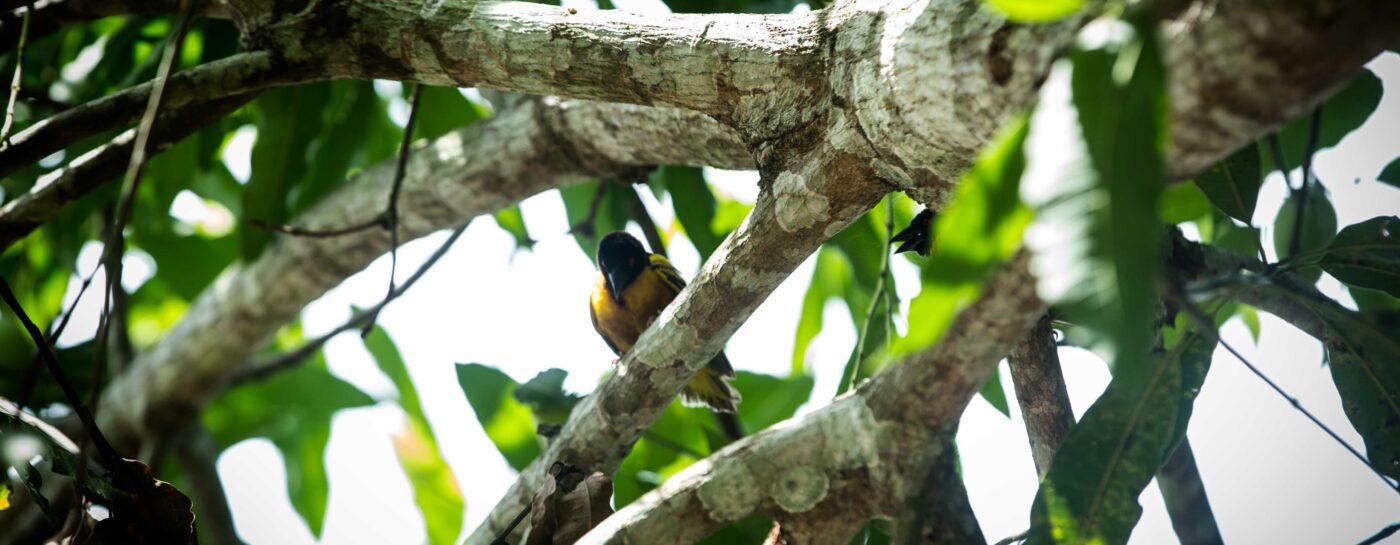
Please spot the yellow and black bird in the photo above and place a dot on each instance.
(632, 287)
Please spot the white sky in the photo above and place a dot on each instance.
(1271, 476)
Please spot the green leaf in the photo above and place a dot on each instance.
(1341, 114)
(613, 212)
(435, 489)
(352, 112)
(1367, 255)
(1226, 234)
(769, 399)
(1095, 239)
(1233, 184)
(656, 456)
(1363, 350)
(289, 119)
(1319, 227)
(829, 277)
(1391, 174)
(546, 397)
(293, 409)
(513, 222)
(443, 109)
(695, 207)
(1036, 11)
(188, 263)
(1182, 203)
(981, 228)
(506, 421)
(1369, 300)
(1090, 493)
(995, 394)
(1250, 317)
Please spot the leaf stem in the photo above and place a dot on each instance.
(848, 376)
(15, 83)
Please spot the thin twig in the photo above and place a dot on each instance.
(848, 377)
(643, 219)
(14, 84)
(1384, 533)
(266, 368)
(1208, 326)
(31, 378)
(1276, 150)
(1295, 239)
(376, 221)
(109, 454)
(586, 227)
(391, 213)
(519, 517)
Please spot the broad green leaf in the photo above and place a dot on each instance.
(1367, 255)
(1095, 239)
(1319, 227)
(769, 399)
(289, 119)
(293, 409)
(1036, 11)
(1391, 174)
(1369, 300)
(1226, 234)
(676, 440)
(512, 221)
(750, 530)
(977, 231)
(1363, 350)
(1090, 494)
(1250, 317)
(546, 397)
(435, 488)
(1182, 203)
(695, 207)
(1341, 114)
(352, 112)
(829, 277)
(995, 394)
(1233, 184)
(613, 212)
(506, 421)
(189, 263)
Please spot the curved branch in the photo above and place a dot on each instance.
(537, 145)
(700, 62)
(56, 189)
(855, 458)
(240, 74)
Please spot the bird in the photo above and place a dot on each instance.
(631, 289)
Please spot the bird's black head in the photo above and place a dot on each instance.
(621, 258)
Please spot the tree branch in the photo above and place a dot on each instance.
(1040, 390)
(1185, 496)
(237, 75)
(54, 190)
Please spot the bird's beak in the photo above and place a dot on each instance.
(613, 288)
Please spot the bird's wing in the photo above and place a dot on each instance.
(668, 272)
(593, 315)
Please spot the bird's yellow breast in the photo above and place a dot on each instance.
(642, 301)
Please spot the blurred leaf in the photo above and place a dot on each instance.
(443, 109)
(694, 206)
(750, 530)
(676, 440)
(352, 111)
(1090, 494)
(1226, 234)
(1341, 114)
(613, 213)
(1232, 184)
(293, 409)
(1182, 203)
(1036, 11)
(830, 277)
(1319, 227)
(1370, 300)
(513, 221)
(506, 421)
(1367, 255)
(977, 231)
(187, 264)
(1095, 238)
(769, 399)
(1391, 174)
(546, 397)
(1250, 317)
(289, 118)
(435, 489)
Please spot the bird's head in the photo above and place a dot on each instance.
(621, 258)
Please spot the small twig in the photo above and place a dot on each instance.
(15, 83)
(1276, 151)
(1208, 326)
(519, 517)
(643, 219)
(391, 212)
(376, 221)
(1295, 239)
(1384, 533)
(266, 368)
(109, 454)
(31, 377)
(586, 227)
(848, 376)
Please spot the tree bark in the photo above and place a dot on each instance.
(1041, 393)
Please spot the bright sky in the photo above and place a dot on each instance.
(1271, 476)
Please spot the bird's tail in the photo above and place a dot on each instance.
(710, 387)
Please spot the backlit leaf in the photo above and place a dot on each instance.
(506, 421)
(1233, 184)
(1367, 255)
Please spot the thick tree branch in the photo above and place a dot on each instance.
(855, 458)
(1185, 497)
(237, 75)
(537, 145)
(54, 190)
(1041, 393)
